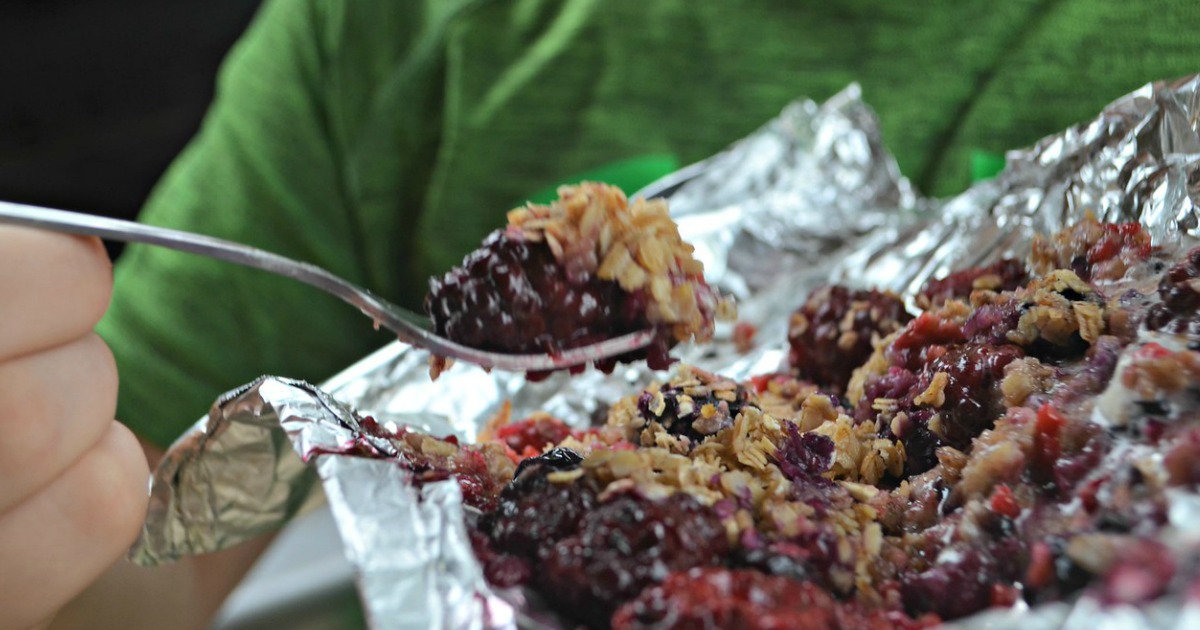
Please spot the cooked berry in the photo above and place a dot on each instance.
(476, 475)
(1093, 373)
(1079, 462)
(1005, 274)
(920, 443)
(956, 389)
(991, 323)
(1178, 312)
(702, 407)
(724, 598)
(803, 456)
(624, 545)
(811, 555)
(1093, 250)
(832, 333)
(480, 469)
(500, 569)
(777, 559)
(971, 397)
(530, 436)
(1182, 461)
(922, 339)
(512, 295)
(964, 581)
(1141, 574)
(533, 511)
(895, 384)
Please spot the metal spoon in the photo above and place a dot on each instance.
(410, 327)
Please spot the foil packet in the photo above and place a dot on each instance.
(810, 198)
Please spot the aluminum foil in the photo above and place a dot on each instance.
(812, 197)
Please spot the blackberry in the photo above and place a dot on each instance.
(832, 333)
(972, 400)
(1178, 312)
(587, 267)
(694, 409)
(501, 569)
(512, 295)
(811, 556)
(532, 511)
(623, 546)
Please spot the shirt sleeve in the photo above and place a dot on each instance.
(267, 168)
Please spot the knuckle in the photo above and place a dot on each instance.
(102, 370)
(25, 408)
(55, 404)
(96, 280)
(118, 487)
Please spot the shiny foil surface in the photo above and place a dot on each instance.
(810, 198)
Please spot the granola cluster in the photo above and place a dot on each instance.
(1094, 250)
(593, 230)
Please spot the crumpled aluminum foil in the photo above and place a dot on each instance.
(810, 198)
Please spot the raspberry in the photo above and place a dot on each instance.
(512, 295)
(624, 545)
(923, 339)
(1004, 503)
(1093, 250)
(1118, 237)
(1047, 443)
(533, 434)
(832, 333)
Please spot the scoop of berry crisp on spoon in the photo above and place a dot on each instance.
(587, 267)
(410, 327)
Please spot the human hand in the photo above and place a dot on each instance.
(72, 479)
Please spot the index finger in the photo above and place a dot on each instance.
(53, 288)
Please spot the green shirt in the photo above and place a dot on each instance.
(383, 140)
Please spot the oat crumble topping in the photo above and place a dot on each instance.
(593, 229)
